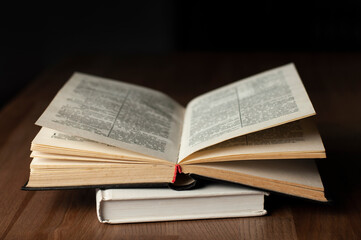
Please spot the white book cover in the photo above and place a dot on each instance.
(214, 200)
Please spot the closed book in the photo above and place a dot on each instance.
(214, 200)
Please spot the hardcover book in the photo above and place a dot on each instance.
(255, 131)
(214, 200)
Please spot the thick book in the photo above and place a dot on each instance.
(214, 200)
(255, 131)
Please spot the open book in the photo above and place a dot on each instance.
(98, 131)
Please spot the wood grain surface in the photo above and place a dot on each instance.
(333, 81)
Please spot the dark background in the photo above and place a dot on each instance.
(183, 48)
(34, 37)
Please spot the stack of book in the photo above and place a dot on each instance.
(134, 141)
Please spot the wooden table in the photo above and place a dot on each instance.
(333, 81)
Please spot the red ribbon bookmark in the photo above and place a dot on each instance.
(177, 170)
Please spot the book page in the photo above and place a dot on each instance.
(298, 139)
(54, 143)
(262, 101)
(299, 178)
(119, 114)
(50, 156)
(300, 172)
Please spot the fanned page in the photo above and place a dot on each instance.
(51, 144)
(119, 114)
(259, 102)
(295, 140)
(298, 178)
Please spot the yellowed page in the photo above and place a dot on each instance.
(66, 165)
(53, 173)
(294, 177)
(36, 154)
(299, 139)
(298, 172)
(262, 101)
(119, 114)
(52, 141)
